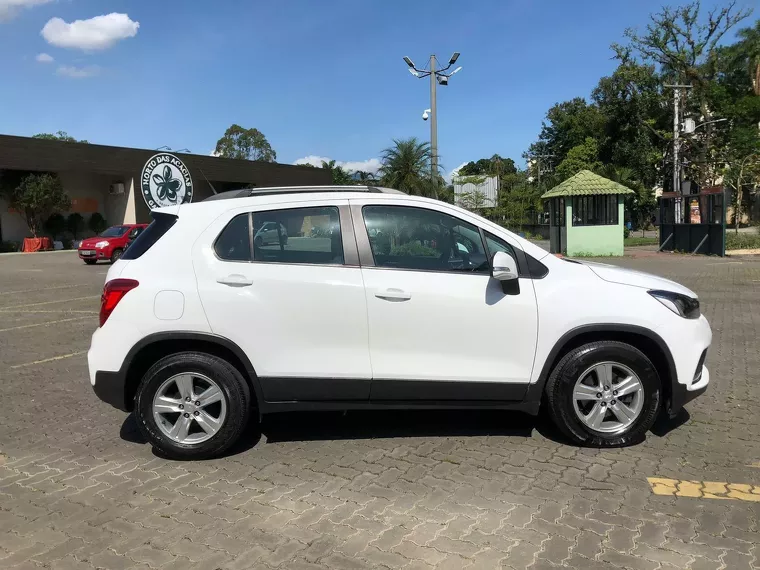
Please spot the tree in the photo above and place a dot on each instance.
(567, 125)
(245, 144)
(406, 167)
(75, 224)
(59, 136)
(34, 195)
(474, 201)
(748, 49)
(54, 225)
(97, 223)
(494, 166)
(340, 177)
(584, 156)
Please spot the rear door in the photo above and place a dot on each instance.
(296, 306)
(440, 327)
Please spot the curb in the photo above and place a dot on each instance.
(38, 252)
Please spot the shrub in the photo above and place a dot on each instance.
(626, 232)
(97, 223)
(742, 240)
(55, 225)
(75, 224)
(9, 246)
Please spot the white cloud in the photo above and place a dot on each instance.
(9, 8)
(44, 58)
(455, 172)
(100, 32)
(371, 165)
(78, 72)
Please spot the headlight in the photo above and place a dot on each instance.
(102, 244)
(682, 305)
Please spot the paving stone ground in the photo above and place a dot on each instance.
(79, 488)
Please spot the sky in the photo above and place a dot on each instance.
(321, 80)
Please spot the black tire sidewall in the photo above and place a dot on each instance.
(574, 364)
(116, 255)
(233, 386)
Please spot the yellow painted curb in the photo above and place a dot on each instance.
(705, 489)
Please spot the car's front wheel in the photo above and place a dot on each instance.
(604, 394)
(192, 405)
(116, 255)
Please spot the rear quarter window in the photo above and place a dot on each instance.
(155, 231)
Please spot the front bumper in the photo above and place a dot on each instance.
(92, 253)
(682, 394)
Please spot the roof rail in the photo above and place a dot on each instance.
(249, 192)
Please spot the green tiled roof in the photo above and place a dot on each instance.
(586, 183)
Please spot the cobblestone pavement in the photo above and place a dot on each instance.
(80, 489)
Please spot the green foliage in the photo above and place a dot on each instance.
(55, 225)
(34, 195)
(474, 201)
(9, 246)
(97, 223)
(245, 144)
(340, 177)
(406, 167)
(494, 166)
(59, 136)
(75, 224)
(414, 248)
(743, 240)
(584, 156)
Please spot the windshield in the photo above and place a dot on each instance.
(115, 231)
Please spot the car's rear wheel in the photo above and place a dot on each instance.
(604, 394)
(116, 255)
(90, 261)
(192, 405)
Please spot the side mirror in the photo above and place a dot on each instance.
(503, 267)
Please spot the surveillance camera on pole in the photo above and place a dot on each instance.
(437, 76)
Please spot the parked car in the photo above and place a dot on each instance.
(270, 233)
(110, 244)
(448, 310)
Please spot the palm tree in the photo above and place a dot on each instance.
(406, 167)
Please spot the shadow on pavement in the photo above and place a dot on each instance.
(665, 424)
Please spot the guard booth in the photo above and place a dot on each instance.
(703, 221)
(586, 216)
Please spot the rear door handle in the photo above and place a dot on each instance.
(235, 280)
(393, 294)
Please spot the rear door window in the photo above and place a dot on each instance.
(298, 235)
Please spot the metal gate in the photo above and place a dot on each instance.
(704, 222)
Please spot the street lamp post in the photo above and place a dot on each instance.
(436, 76)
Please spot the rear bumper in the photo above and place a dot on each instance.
(110, 387)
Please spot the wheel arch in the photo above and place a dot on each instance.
(646, 340)
(153, 347)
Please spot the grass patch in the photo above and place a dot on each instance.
(634, 241)
(742, 240)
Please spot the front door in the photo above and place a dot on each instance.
(294, 304)
(440, 328)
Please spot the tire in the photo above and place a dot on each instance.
(580, 366)
(116, 255)
(235, 401)
(90, 261)
(258, 241)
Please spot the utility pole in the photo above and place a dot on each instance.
(433, 123)
(436, 76)
(676, 148)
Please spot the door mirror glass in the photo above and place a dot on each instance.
(503, 266)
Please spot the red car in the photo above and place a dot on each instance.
(110, 244)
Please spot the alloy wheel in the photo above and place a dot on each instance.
(189, 408)
(608, 397)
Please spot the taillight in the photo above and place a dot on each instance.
(113, 292)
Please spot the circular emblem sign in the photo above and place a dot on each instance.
(166, 181)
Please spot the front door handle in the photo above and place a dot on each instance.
(393, 294)
(235, 280)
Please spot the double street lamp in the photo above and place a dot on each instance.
(437, 76)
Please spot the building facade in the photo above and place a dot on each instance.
(107, 179)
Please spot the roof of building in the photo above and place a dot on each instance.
(586, 183)
(26, 153)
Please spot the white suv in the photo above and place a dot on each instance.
(203, 325)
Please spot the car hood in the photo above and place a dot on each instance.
(90, 242)
(615, 274)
